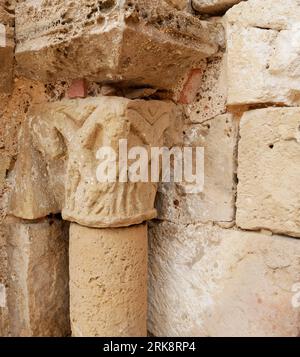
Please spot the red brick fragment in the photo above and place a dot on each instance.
(78, 89)
(191, 86)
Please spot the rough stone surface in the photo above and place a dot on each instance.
(125, 39)
(269, 171)
(272, 14)
(213, 7)
(12, 112)
(108, 281)
(263, 49)
(178, 4)
(38, 294)
(6, 45)
(217, 201)
(211, 98)
(4, 313)
(222, 283)
(57, 168)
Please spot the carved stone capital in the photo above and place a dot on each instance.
(57, 165)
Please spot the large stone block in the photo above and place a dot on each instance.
(133, 41)
(6, 45)
(269, 171)
(57, 166)
(213, 7)
(208, 281)
(108, 281)
(263, 45)
(38, 294)
(216, 202)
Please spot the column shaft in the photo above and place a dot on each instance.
(108, 281)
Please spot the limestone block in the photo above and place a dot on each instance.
(6, 45)
(269, 171)
(108, 281)
(137, 42)
(12, 111)
(263, 49)
(38, 294)
(57, 171)
(209, 281)
(268, 14)
(34, 192)
(213, 7)
(218, 137)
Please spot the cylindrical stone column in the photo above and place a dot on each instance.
(108, 281)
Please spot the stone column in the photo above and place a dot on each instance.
(108, 275)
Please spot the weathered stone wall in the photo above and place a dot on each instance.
(225, 262)
(220, 74)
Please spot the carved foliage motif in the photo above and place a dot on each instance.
(64, 138)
